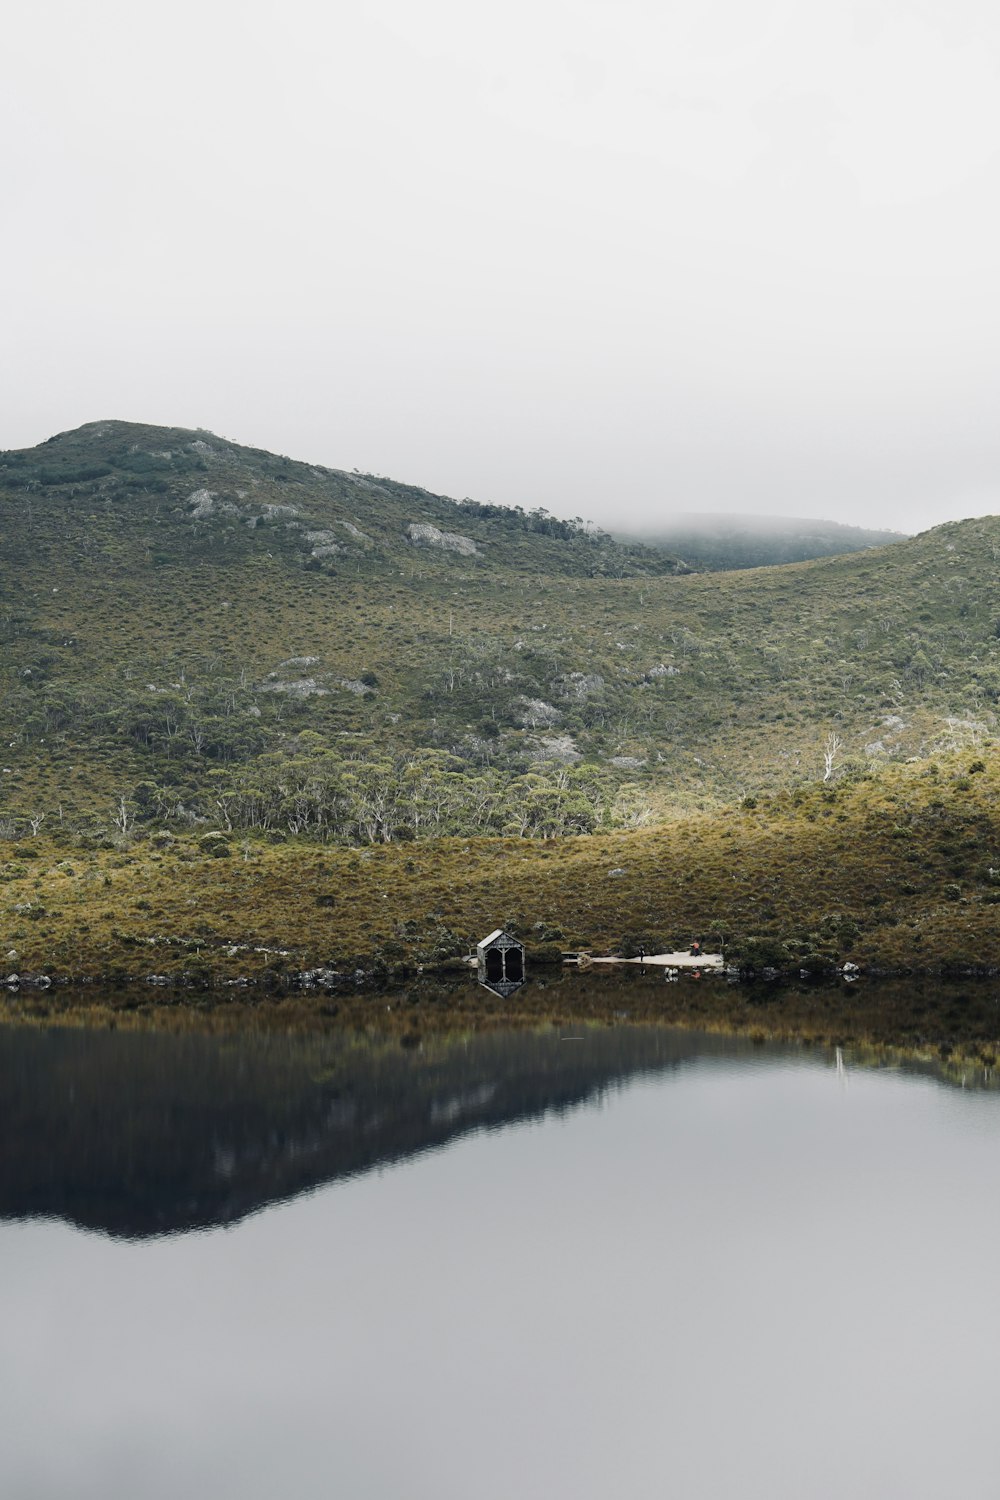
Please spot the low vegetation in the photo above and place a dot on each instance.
(199, 634)
(259, 716)
(894, 870)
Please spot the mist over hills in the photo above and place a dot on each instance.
(718, 541)
(192, 630)
(225, 493)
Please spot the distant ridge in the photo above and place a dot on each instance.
(720, 541)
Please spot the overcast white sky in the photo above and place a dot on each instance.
(611, 258)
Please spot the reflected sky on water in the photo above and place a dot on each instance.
(733, 1271)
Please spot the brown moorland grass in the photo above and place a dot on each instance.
(898, 871)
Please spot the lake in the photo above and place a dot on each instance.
(582, 1262)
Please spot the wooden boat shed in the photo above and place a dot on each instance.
(500, 962)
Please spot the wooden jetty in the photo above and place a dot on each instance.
(682, 960)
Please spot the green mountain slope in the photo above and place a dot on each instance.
(720, 542)
(203, 635)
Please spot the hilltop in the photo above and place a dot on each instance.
(196, 630)
(178, 496)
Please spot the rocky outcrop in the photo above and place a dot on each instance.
(558, 747)
(301, 687)
(356, 533)
(423, 534)
(579, 685)
(204, 503)
(323, 543)
(535, 713)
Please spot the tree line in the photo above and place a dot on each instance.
(422, 794)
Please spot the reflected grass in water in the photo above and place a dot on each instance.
(919, 1016)
(140, 1132)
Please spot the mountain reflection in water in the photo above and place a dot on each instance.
(141, 1134)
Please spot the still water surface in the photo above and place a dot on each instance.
(639, 1263)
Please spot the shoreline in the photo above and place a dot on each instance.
(374, 974)
(922, 1015)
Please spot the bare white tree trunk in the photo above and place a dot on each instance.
(834, 744)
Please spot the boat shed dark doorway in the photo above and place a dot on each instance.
(500, 962)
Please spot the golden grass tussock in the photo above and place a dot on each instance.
(896, 871)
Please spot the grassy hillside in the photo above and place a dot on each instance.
(899, 868)
(195, 635)
(721, 542)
